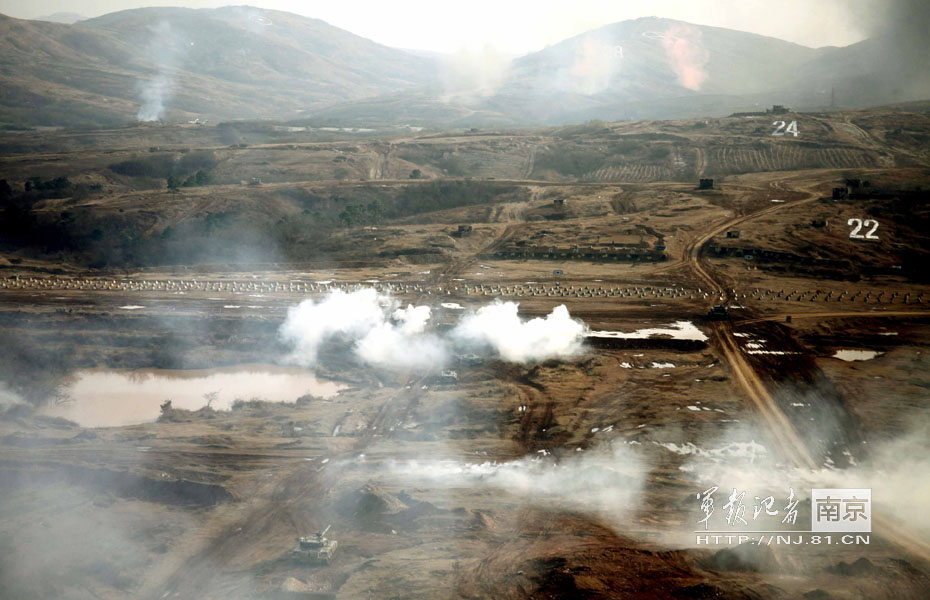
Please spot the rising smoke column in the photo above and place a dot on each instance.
(155, 93)
(684, 47)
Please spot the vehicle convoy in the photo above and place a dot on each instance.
(315, 549)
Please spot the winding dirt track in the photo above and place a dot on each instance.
(781, 432)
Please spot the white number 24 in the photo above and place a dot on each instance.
(859, 224)
(780, 125)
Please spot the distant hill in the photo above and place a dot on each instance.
(62, 17)
(247, 63)
(610, 72)
(233, 62)
(654, 68)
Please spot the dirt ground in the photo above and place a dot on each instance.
(572, 478)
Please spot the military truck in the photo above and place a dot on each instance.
(315, 549)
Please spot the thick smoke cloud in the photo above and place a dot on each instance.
(403, 342)
(499, 327)
(384, 334)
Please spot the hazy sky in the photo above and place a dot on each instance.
(518, 26)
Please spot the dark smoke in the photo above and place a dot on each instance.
(901, 29)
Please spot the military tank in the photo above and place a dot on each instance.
(315, 549)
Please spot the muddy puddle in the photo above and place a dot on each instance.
(112, 398)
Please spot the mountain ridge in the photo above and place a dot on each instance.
(241, 62)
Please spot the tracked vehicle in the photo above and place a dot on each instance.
(718, 312)
(315, 549)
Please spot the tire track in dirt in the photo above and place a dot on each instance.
(781, 432)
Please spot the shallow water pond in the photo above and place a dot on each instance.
(111, 397)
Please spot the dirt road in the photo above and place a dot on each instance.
(781, 432)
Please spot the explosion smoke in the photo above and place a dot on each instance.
(386, 335)
(684, 48)
(498, 326)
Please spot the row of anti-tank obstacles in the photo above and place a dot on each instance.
(403, 288)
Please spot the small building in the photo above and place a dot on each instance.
(733, 234)
(706, 184)
(462, 231)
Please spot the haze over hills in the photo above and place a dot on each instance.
(612, 70)
(62, 17)
(249, 63)
(234, 62)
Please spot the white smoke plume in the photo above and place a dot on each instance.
(606, 482)
(156, 92)
(499, 327)
(473, 73)
(8, 398)
(386, 335)
(403, 342)
(153, 94)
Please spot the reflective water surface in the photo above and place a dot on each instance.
(108, 398)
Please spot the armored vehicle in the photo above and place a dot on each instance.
(315, 549)
(718, 311)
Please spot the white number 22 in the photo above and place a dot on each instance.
(859, 224)
(792, 128)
